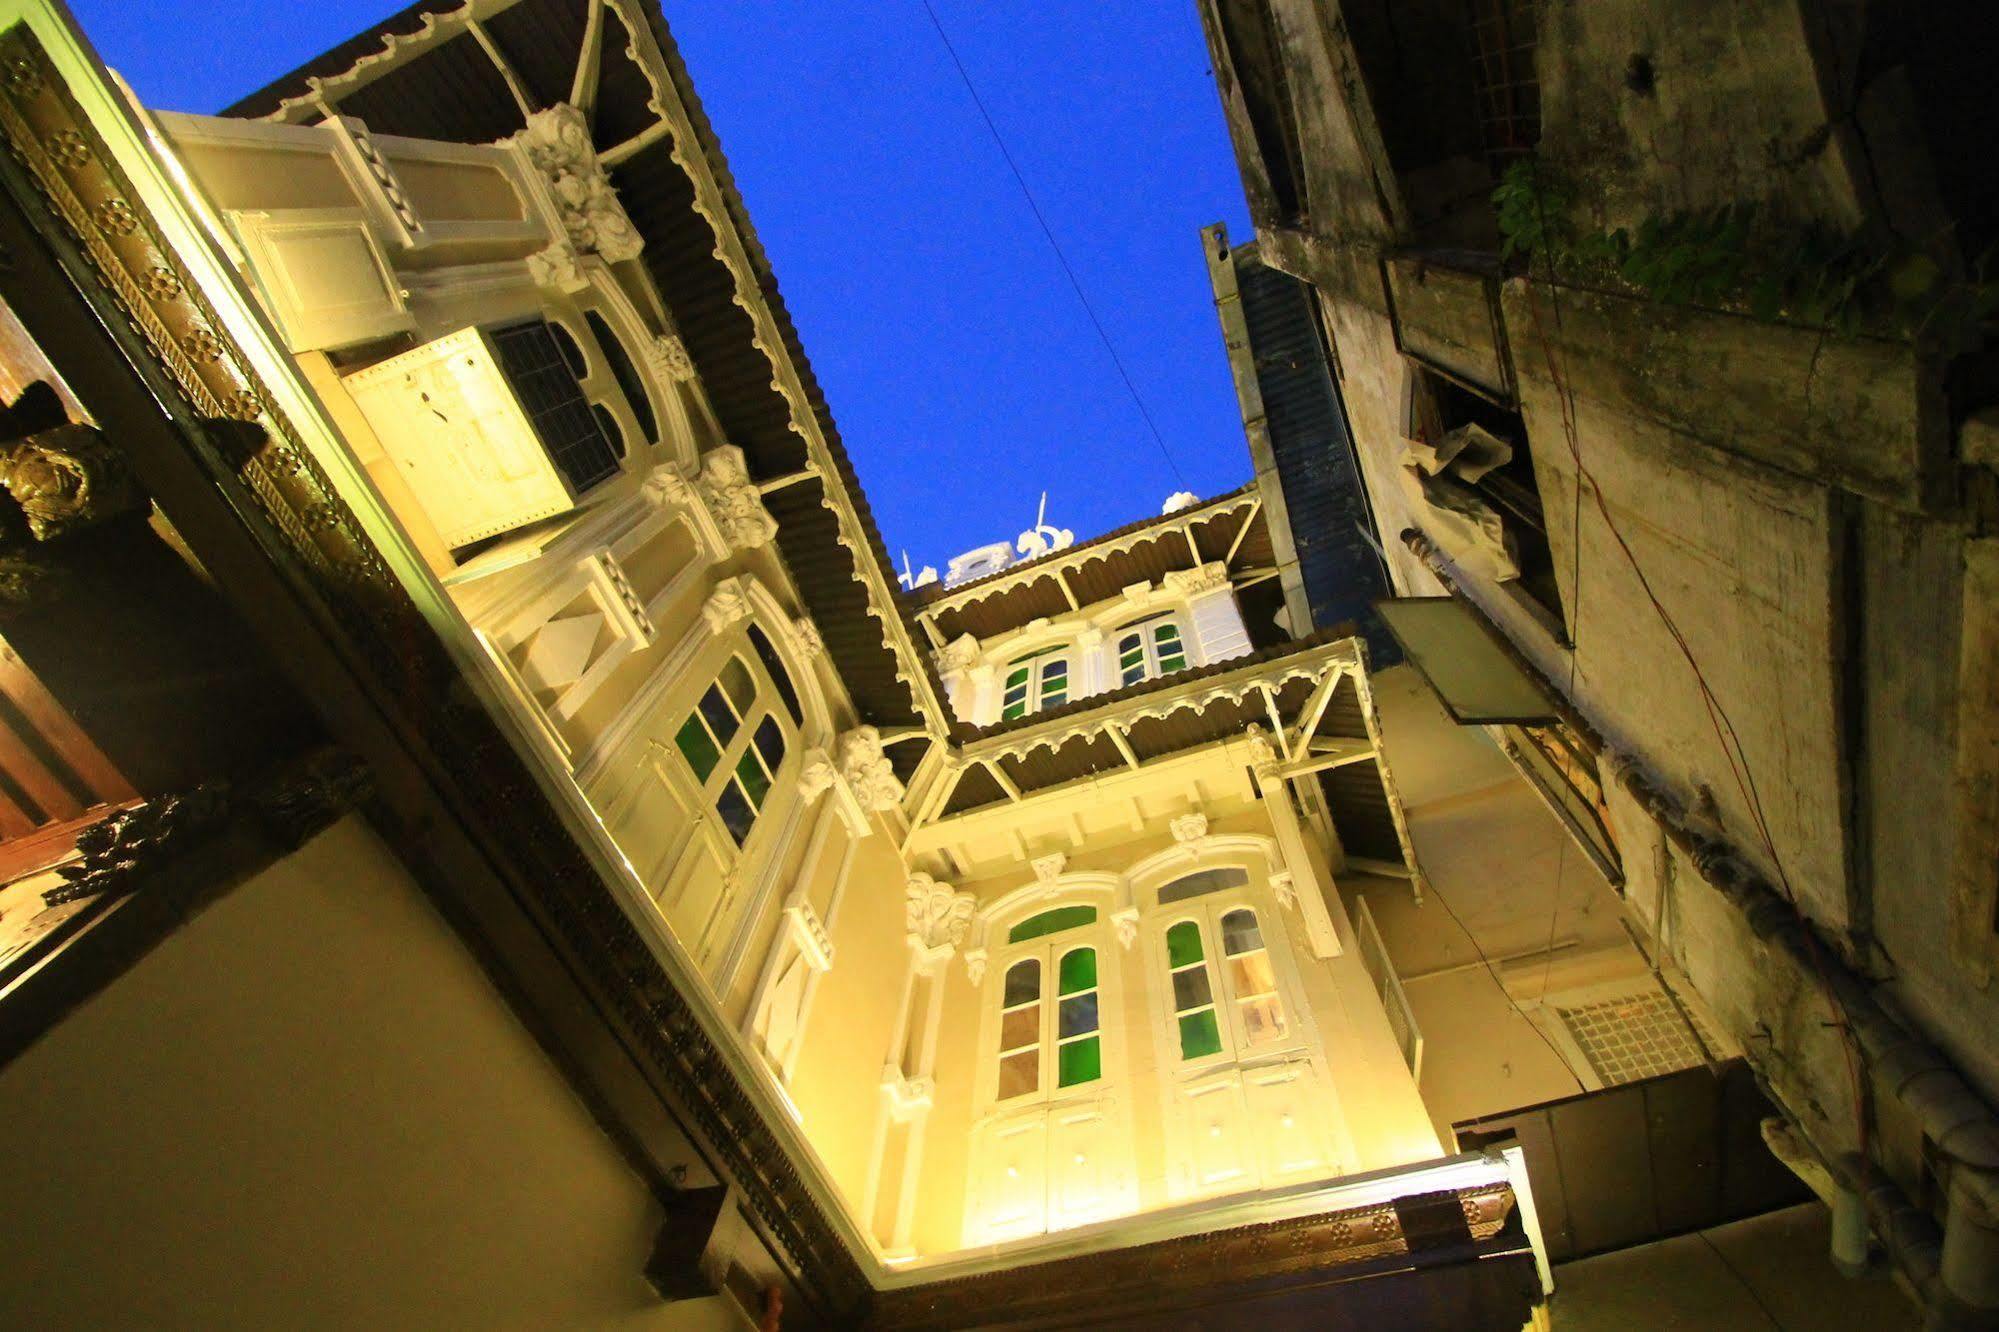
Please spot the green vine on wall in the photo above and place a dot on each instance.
(1736, 257)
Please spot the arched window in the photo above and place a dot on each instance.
(1035, 683)
(1149, 648)
(1050, 1040)
(735, 744)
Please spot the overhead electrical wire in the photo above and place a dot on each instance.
(1074, 282)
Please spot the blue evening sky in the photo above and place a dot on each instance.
(963, 373)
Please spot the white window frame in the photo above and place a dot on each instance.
(1207, 911)
(1147, 628)
(1039, 663)
(1050, 949)
(765, 704)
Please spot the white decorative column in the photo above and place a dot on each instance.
(1304, 883)
(1215, 618)
(1095, 674)
(937, 916)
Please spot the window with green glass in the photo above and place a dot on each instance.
(1150, 648)
(1034, 683)
(1079, 1054)
(1050, 922)
(733, 732)
(1193, 991)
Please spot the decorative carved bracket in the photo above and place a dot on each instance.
(937, 916)
(867, 770)
(556, 143)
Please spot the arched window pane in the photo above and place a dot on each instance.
(1079, 970)
(566, 346)
(1079, 1050)
(1239, 932)
(780, 678)
(1023, 983)
(739, 684)
(1183, 944)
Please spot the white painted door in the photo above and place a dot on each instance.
(1248, 1108)
(1051, 1155)
(1015, 1191)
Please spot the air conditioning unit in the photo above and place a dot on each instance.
(490, 427)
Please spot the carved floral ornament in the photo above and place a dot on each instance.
(806, 635)
(936, 914)
(867, 771)
(733, 499)
(727, 604)
(557, 143)
(1189, 828)
(961, 653)
(816, 775)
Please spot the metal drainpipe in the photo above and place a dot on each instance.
(1912, 1070)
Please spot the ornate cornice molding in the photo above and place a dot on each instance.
(162, 312)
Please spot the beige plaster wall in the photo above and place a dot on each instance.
(837, 1084)
(310, 1108)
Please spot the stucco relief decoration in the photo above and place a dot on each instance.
(1189, 828)
(726, 605)
(557, 141)
(1286, 889)
(1047, 869)
(1193, 582)
(668, 354)
(667, 487)
(1125, 922)
(816, 775)
(67, 478)
(867, 770)
(975, 965)
(806, 634)
(960, 654)
(937, 915)
(733, 500)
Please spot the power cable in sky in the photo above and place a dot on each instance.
(1055, 245)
